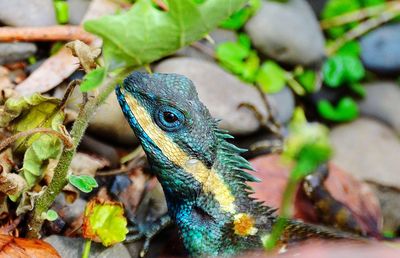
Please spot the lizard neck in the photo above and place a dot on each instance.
(221, 218)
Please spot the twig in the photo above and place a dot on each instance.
(357, 15)
(64, 138)
(51, 33)
(59, 181)
(70, 88)
(365, 27)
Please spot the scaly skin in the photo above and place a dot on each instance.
(202, 175)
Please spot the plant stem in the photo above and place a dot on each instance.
(59, 181)
(355, 16)
(365, 27)
(86, 248)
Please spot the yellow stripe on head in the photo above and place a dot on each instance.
(211, 182)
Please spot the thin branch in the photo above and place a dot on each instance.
(59, 181)
(67, 141)
(364, 27)
(51, 33)
(357, 15)
(70, 88)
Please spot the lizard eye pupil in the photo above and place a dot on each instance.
(169, 118)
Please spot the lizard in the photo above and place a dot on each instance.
(203, 175)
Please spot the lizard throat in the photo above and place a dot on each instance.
(209, 179)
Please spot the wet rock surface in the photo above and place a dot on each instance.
(369, 150)
(283, 31)
(12, 52)
(27, 13)
(73, 247)
(222, 93)
(381, 49)
(383, 102)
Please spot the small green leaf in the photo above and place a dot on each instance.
(359, 89)
(341, 69)
(250, 67)
(351, 48)
(61, 8)
(104, 222)
(346, 110)
(51, 215)
(93, 79)
(271, 77)
(83, 182)
(308, 80)
(239, 18)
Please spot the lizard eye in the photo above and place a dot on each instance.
(169, 118)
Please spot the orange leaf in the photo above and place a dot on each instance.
(25, 248)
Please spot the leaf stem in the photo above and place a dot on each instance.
(59, 181)
(86, 248)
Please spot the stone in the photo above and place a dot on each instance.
(382, 102)
(222, 93)
(108, 123)
(317, 5)
(77, 10)
(288, 32)
(369, 150)
(12, 52)
(73, 247)
(381, 49)
(27, 13)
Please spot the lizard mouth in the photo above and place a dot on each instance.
(127, 106)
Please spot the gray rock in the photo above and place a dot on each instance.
(108, 123)
(12, 52)
(288, 32)
(222, 93)
(73, 247)
(381, 49)
(383, 103)
(69, 211)
(317, 5)
(77, 9)
(369, 150)
(389, 200)
(24, 13)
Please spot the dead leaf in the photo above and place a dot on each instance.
(353, 194)
(25, 248)
(61, 65)
(86, 54)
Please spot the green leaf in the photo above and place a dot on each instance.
(359, 89)
(307, 144)
(51, 215)
(62, 14)
(144, 34)
(346, 110)
(308, 80)
(104, 222)
(240, 17)
(250, 67)
(341, 69)
(83, 182)
(26, 113)
(351, 48)
(271, 77)
(93, 79)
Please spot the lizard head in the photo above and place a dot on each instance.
(173, 126)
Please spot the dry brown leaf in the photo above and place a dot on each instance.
(25, 248)
(61, 65)
(86, 54)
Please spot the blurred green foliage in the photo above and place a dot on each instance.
(240, 17)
